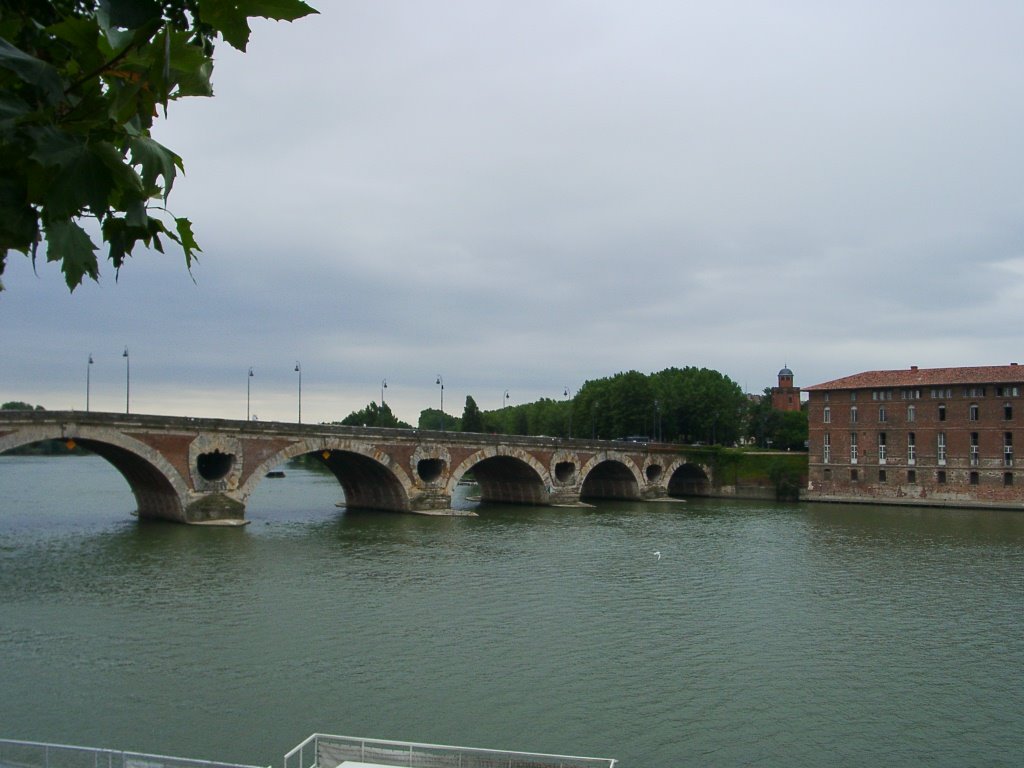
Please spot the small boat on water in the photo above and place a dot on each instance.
(276, 473)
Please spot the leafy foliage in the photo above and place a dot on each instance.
(20, 405)
(81, 82)
(435, 419)
(374, 415)
(472, 418)
(777, 429)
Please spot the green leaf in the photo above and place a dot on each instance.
(231, 17)
(18, 220)
(33, 71)
(190, 68)
(278, 10)
(131, 14)
(11, 108)
(156, 160)
(82, 182)
(187, 240)
(68, 243)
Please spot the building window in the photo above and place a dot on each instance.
(853, 397)
(911, 475)
(1008, 411)
(942, 412)
(1007, 391)
(881, 475)
(910, 394)
(941, 456)
(827, 397)
(940, 477)
(881, 448)
(828, 474)
(974, 478)
(974, 449)
(882, 416)
(826, 451)
(1007, 478)
(973, 412)
(853, 476)
(853, 447)
(853, 414)
(974, 391)
(911, 448)
(939, 394)
(1008, 449)
(826, 415)
(911, 413)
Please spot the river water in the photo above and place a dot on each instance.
(766, 634)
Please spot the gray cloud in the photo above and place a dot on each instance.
(526, 196)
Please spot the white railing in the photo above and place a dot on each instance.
(31, 754)
(324, 751)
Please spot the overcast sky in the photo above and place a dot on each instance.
(524, 195)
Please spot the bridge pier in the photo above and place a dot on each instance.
(213, 509)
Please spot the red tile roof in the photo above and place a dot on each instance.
(926, 377)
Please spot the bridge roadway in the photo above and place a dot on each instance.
(196, 470)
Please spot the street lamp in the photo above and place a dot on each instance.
(654, 426)
(383, 386)
(565, 394)
(298, 370)
(248, 393)
(127, 380)
(504, 400)
(88, 370)
(593, 421)
(440, 383)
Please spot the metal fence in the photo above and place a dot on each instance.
(323, 751)
(29, 754)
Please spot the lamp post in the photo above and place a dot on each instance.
(565, 394)
(440, 383)
(298, 370)
(383, 386)
(248, 393)
(593, 421)
(504, 400)
(654, 426)
(88, 370)
(127, 380)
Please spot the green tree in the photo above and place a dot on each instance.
(433, 418)
(472, 418)
(699, 405)
(790, 430)
(374, 415)
(18, 405)
(81, 82)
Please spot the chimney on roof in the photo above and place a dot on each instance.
(913, 367)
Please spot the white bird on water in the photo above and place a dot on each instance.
(657, 554)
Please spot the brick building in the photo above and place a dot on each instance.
(785, 397)
(941, 436)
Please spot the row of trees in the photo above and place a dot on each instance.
(686, 405)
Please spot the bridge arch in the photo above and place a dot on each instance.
(369, 478)
(686, 478)
(506, 475)
(159, 489)
(611, 475)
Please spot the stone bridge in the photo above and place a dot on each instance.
(196, 470)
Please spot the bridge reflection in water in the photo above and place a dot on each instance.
(194, 470)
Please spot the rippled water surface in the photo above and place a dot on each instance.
(766, 634)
